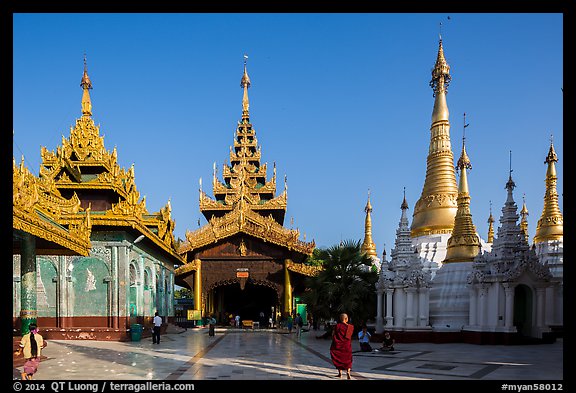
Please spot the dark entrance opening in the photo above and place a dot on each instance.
(523, 310)
(248, 302)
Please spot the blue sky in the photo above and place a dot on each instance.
(340, 102)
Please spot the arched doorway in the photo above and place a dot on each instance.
(255, 298)
(523, 306)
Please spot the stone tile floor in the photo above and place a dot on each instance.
(235, 354)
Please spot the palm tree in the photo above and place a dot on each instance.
(345, 284)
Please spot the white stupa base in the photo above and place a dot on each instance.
(450, 297)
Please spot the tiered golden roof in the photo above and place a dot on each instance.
(551, 224)
(245, 201)
(464, 244)
(38, 208)
(435, 210)
(83, 165)
(368, 247)
(245, 176)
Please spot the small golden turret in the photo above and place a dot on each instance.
(551, 224)
(435, 210)
(368, 247)
(464, 244)
(524, 220)
(490, 226)
(86, 86)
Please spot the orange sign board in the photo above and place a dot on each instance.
(242, 274)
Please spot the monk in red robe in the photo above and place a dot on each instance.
(341, 347)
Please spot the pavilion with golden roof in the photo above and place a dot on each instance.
(118, 265)
(244, 261)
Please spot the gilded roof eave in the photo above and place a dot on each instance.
(40, 210)
(306, 270)
(208, 204)
(244, 220)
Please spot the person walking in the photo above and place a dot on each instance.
(341, 347)
(156, 329)
(289, 322)
(299, 324)
(211, 326)
(364, 339)
(31, 344)
(237, 319)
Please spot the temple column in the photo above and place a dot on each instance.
(473, 316)
(550, 306)
(198, 285)
(379, 319)
(423, 301)
(287, 289)
(389, 317)
(509, 300)
(409, 307)
(399, 304)
(483, 305)
(170, 291)
(540, 312)
(140, 286)
(114, 288)
(28, 311)
(62, 293)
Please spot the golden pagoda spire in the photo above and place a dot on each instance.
(464, 244)
(524, 220)
(86, 86)
(435, 210)
(245, 84)
(368, 247)
(551, 224)
(490, 226)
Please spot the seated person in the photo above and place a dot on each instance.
(364, 339)
(387, 342)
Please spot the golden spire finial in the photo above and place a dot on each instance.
(464, 244)
(245, 84)
(524, 220)
(551, 223)
(490, 226)
(86, 85)
(368, 245)
(435, 209)
(368, 208)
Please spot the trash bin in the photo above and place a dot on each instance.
(136, 332)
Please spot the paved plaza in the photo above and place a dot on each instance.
(235, 354)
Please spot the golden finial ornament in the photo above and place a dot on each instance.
(435, 210)
(551, 223)
(368, 246)
(245, 84)
(490, 226)
(464, 244)
(86, 85)
(524, 221)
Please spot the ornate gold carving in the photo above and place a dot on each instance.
(242, 248)
(37, 208)
(243, 219)
(300, 268)
(186, 268)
